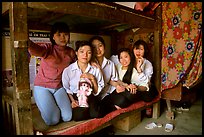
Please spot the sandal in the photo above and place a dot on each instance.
(39, 133)
(151, 125)
(168, 127)
(159, 125)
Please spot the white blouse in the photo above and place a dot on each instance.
(71, 76)
(109, 73)
(140, 79)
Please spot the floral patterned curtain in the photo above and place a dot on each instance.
(181, 43)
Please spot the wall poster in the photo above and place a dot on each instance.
(37, 37)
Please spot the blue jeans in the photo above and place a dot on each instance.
(53, 104)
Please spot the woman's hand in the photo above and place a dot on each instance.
(139, 64)
(132, 88)
(95, 64)
(93, 81)
(120, 88)
(90, 77)
(75, 104)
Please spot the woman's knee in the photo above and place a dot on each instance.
(51, 119)
(121, 101)
(147, 98)
(67, 117)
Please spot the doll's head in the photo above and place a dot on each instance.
(85, 84)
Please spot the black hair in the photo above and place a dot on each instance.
(99, 38)
(128, 74)
(141, 42)
(80, 83)
(82, 43)
(58, 27)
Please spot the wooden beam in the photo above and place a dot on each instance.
(43, 15)
(125, 8)
(96, 11)
(111, 26)
(51, 16)
(38, 26)
(157, 51)
(144, 30)
(20, 68)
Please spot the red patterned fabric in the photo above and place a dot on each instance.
(181, 44)
(92, 124)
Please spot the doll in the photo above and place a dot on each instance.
(85, 89)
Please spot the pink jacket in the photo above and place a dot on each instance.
(54, 59)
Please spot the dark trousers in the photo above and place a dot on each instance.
(83, 113)
(125, 99)
(106, 106)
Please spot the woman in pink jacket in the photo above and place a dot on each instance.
(49, 94)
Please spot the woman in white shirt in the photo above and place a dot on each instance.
(71, 77)
(144, 67)
(108, 69)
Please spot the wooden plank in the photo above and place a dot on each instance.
(128, 122)
(174, 93)
(20, 68)
(8, 114)
(4, 115)
(99, 128)
(13, 119)
(88, 9)
(8, 111)
(144, 30)
(125, 8)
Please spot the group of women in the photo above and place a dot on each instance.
(114, 86)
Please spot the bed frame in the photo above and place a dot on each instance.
(16, 101)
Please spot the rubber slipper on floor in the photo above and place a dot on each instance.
(159, 125)
(39, 133)
(151, 125)
(168, 127)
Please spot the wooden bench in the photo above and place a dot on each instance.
(124, 119)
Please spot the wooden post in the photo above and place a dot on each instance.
(156, 110)
(20, 67)
(169, 113)
(157, 56)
